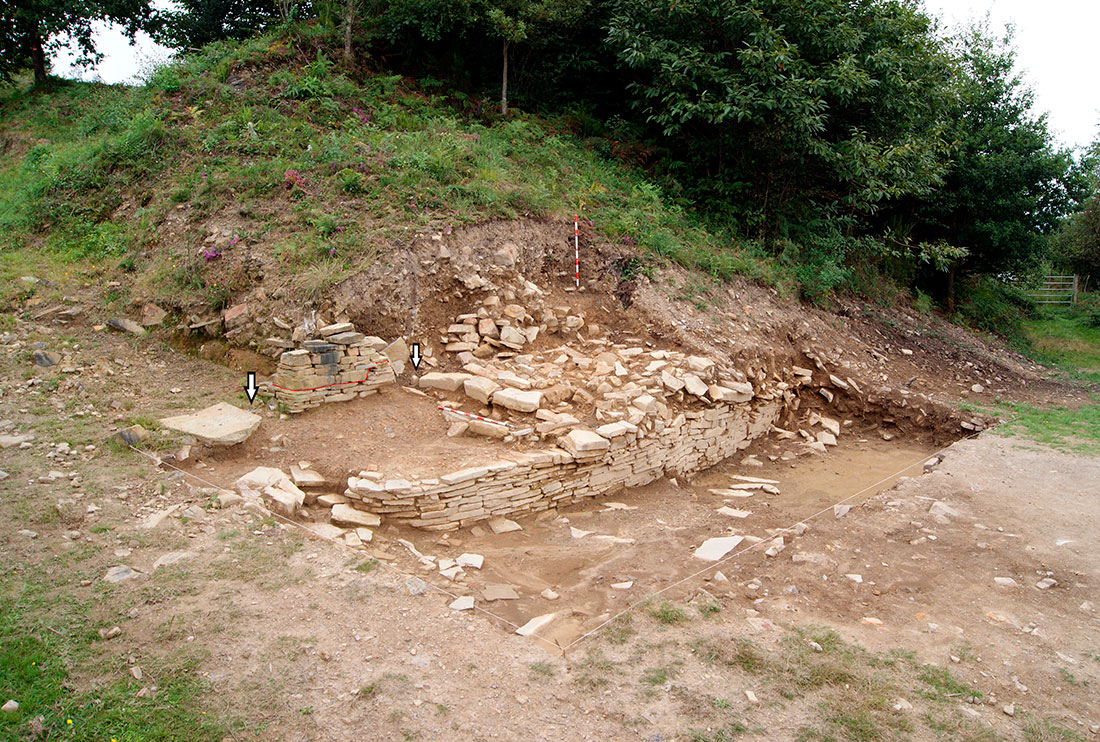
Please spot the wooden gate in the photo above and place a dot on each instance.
(1056, 290)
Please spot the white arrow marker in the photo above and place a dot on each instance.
(250, 388)
(415, 357)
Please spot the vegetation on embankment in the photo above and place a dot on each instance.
(863, 170)
(323, 171)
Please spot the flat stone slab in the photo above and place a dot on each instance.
(336, 329)
(442, 381)
(464, 603)
(584, 442)
(126, 325)
(714, 549)
(742, 392)
(480, 388)
(499, 592)
(221, 425)
(517, 399)
(535, 624)
(326, 530)
(346, 515)
(119, 573)
(306, 477)
(734, 512)
(173, 557)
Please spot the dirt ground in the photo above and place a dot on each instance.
(882, 622)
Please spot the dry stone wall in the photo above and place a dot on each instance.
(340, 366)
(585, 464)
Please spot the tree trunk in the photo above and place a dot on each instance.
(504, 83)
(38, 58)
(951, 289)
(349, 16)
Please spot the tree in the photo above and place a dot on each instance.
(195, 23)
(1006, 186)
(1076, 244)
(789, 112)
(31, 30)
(452, 36)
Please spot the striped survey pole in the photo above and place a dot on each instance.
(472, 416)
(577, 248)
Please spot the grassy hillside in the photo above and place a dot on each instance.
(263, 144)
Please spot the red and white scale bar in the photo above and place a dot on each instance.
(476, 417)
(577, 248)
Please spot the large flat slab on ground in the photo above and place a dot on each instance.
(222, 425)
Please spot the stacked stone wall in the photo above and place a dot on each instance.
(587, 464)
(337, 368)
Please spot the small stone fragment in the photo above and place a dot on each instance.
(464, 603)
(10, 706)
(46, 358)
(471, 561)
(119, 573)
(503, 525)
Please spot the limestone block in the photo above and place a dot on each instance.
(444, 381)
(480, 388)
(646, 403)
(728, 395)
(695, 385)
(346, 338)
(346, 515)
(580, 442)
(512, 336)
(222, 424)
(336, 329)
(518, 400)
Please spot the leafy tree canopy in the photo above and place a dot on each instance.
(773, 106)
(32, 30)
(195, 23)
(1007, 185)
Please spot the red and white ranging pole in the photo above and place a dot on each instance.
(577, 248)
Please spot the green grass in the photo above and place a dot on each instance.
(47, 642)
(1046, 730)
(1069, 337)
(1063, 428)
(941, 685)
(668, 614)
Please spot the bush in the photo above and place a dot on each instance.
(995, 307)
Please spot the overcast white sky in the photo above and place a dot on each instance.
(1055, 40)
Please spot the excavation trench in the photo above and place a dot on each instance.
(598, 558)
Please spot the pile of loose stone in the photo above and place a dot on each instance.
(563, 387)
(499, 328)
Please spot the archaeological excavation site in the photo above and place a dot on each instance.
(546, 435)
(627, 504)
(541, 371)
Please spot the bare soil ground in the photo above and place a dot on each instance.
(303, 639)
